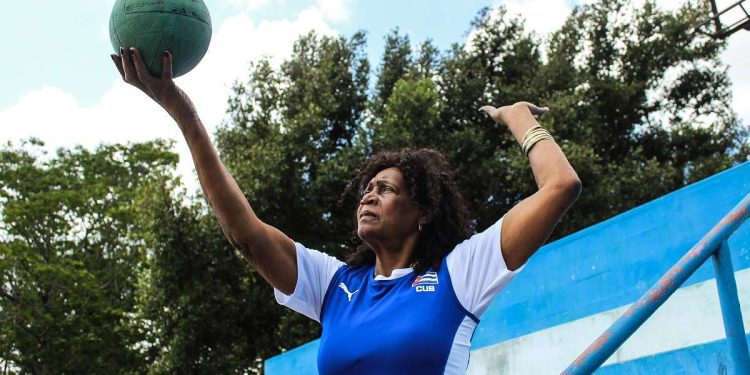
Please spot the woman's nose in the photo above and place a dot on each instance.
(368, 198)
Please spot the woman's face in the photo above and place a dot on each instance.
(386, 210)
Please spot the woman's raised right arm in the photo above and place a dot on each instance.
(266, 248)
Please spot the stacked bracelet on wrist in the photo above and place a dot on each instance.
(533, 135)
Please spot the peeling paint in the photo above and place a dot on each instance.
(594, 347)
(642, 309)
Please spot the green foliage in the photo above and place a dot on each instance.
(200, 306)
(647, 96)
(635, 100)
(107, 267)
(310, 140)
(67, 255)
(394, 66)
(411, 116)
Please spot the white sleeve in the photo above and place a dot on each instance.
(478, 271)
(314, 272)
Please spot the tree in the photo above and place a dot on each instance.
(311, 139)
(291, 133)
(629, 123)
(106, 264)
(601, 78)
(202, 306)
(395, 64)
(68, 257)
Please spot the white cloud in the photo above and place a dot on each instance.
(253, 5)
(126, 115)
(736, 56)
(56, 117)
(335, 10)
(235, 44)
(542, 16)
(332, 10)
(661, 4)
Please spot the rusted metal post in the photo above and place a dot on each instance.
(730, 310)
(603, 347)
(715, 12)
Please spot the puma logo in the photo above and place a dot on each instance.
(346, 290)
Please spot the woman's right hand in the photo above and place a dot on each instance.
(161, 89)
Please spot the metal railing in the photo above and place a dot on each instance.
(712, 244)
(722, 31)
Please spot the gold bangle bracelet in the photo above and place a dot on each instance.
(531, 145)
(532, 137)
(530, 130)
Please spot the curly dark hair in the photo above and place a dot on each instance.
(430, 183)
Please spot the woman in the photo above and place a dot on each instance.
(410, 297)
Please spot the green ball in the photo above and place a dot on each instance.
(182, 27)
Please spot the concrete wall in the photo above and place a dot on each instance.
(574, 288)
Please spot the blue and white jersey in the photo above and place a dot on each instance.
(405, 323)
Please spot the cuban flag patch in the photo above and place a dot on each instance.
(426, 282)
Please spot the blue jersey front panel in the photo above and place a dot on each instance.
(402, 326)
(404, 323)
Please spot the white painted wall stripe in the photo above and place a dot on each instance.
(691, 316)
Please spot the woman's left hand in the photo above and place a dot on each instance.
(500, 115)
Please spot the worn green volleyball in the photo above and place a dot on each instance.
(182, 27)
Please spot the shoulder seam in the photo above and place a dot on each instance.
(328, 289)
(453, 293)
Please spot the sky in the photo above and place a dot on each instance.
(58, 84)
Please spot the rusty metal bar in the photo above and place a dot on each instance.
(608, 342)
(716, 20)
(727, 9)
(730, 310)
(723, 31)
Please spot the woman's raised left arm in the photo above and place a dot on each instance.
(529, 224)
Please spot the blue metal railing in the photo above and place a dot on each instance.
(712, 244)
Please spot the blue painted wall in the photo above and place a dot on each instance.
(603, 267)
(711, 358)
